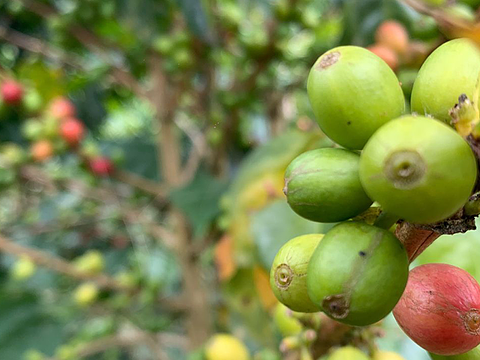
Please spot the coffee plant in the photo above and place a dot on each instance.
(239, 180)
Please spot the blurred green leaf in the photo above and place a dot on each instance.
(134, 149)
(199, 200)
(462, 250)
(25, 326)
(275, 225)
(272, 157)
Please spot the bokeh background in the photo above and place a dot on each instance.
(142, 151)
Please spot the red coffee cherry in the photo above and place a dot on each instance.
(12, 92)
(440, 309)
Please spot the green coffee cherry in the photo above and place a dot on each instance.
(357, 273)
(471, 355)
(419, 169)
(323, 185)
(287, 276)
(348, 353)
(425, 28)
(286, 323)
(450, 71)
(353, 92)
(32, 129)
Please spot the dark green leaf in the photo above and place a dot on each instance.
(199, 200)
(275, 225)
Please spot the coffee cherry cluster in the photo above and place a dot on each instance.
(416, 167)
(54, 130)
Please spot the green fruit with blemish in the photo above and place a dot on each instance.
(357, 273)
(323, 185)
(353, 92)
(419, 169)
(348, 353)
(288, 273)
(450, 71)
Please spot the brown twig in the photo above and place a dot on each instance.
(139, 182)
(38, 46)
(198, 151)
(59, 265)
(164, 97)
(125, 339)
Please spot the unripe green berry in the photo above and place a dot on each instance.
(286, 323)
(450, 71)
(357, 273)
(23, 269)
(419, 169)
(12, 154)
(348, 353)
(32, 129)
(323, 185)
(470, 355)
(32, 101)
(86, 294)
(288, 273)
(353, 92)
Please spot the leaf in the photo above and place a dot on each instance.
(273, 226)
(246, 309)
(199, 200)
(89, 104)
(273, 157)
(134, 149)
(158, 267)
(49, 82)
(25, 326)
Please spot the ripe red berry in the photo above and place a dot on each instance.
(101, 166)
(440, 309)
(72, 131)
(42, 150)
(12, 92)
(62, 108)
(386, 54)
(393, 35)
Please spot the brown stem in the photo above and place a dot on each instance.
(331, 333)
(122, 340)
(150, 187)
(415, 239)
(59, 265)
(164, 97)
(38, 46)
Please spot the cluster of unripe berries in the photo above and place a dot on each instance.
(57, 130)
(416, 168)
